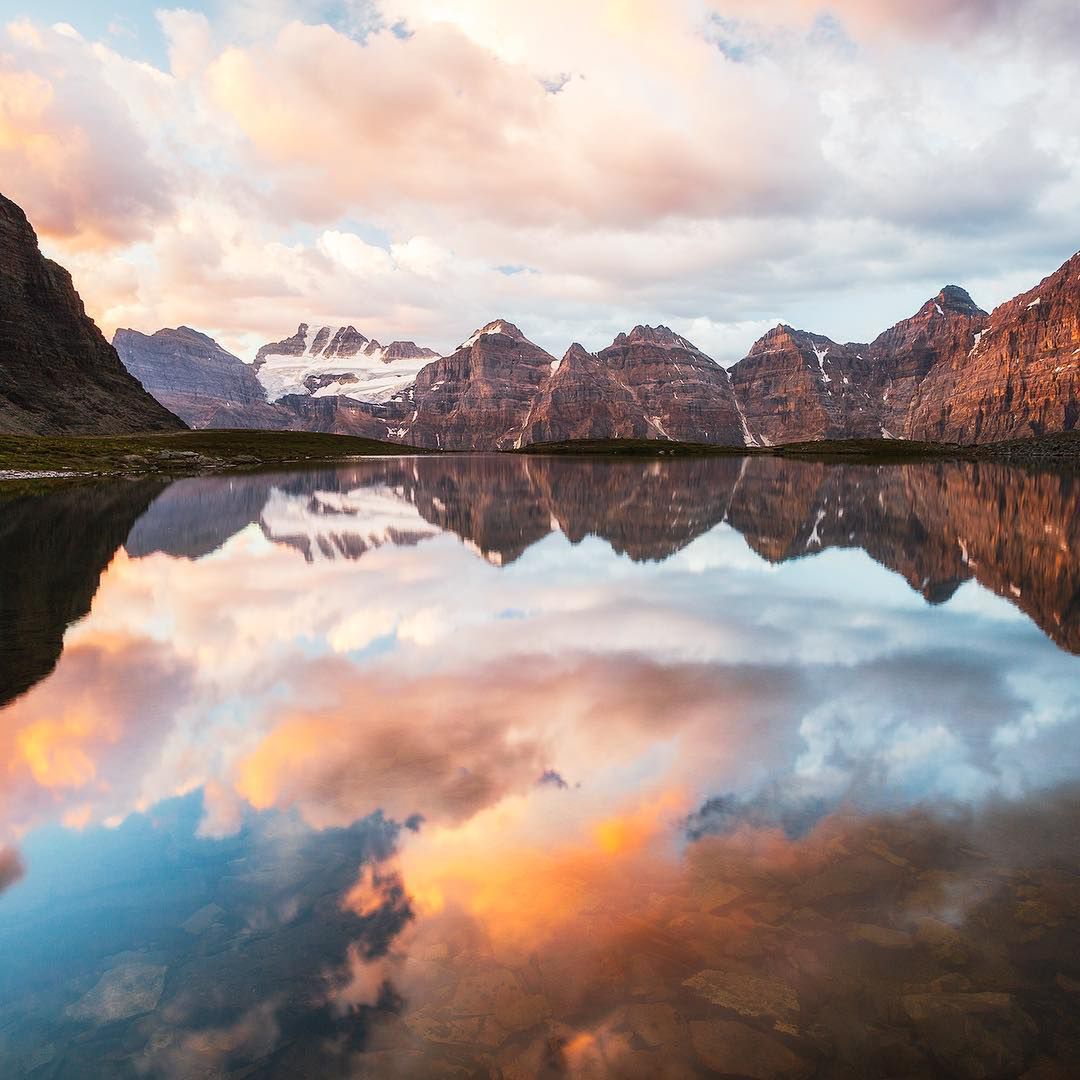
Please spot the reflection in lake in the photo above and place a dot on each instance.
(521, 767)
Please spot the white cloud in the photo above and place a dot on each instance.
(715, 176)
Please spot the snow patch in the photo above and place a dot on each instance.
(748, 439)
(491, 328)
(1036, 302)
(821, 354)
(367, 375)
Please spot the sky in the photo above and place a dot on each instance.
(419, 167)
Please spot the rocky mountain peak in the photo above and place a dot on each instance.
(954, 298)
(951, 300)
(577, 351)
(496, 326)
(784, 336)
(661, 336)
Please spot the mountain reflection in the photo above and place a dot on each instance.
(671, 780)
(1016, 533)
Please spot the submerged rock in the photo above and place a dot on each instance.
(123, 992)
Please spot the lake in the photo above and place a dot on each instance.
(521, 766)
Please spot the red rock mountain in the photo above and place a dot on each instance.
(1016, 374)
(949, 373)
(794, 386)
(648, 384)
(58, 374)
(477, 398)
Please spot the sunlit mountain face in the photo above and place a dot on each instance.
(509, 766)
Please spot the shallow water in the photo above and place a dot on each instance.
(532, 767)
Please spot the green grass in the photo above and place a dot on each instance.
(632, 448)
(839, 449)
(182, 451)
(199, 451)
(1057, 450)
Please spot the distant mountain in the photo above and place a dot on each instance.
(58, 374)
(796, 386)
(477, 398)
(1016, 373)
(950, 372)
(649, 384)
(326, 361)
(188, 372)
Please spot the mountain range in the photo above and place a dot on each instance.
(949, 373)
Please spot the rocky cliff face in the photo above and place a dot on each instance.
(188, 372)
(1016, 373)
(949, 373)
(58, 375)
(324, 361)
(904, 355)
(480, 396)
(648, 384)
(583, 399)
(794, 386)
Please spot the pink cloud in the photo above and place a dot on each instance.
(70, 152)
(935, 18)
(441, 121)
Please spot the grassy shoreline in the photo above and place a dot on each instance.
(36, 457)
(182, 452)
(1054, 450)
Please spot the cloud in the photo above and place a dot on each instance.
(437, 120)
(78, 742)
(70, 150)
(416, 167)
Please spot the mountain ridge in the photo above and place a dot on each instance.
(951, 372)
(58, 374)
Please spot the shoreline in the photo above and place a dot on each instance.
(47, 457)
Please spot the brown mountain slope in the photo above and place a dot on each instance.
(1017, 374)
(58, 375)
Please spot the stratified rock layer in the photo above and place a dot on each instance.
(188, 372)
(478, 398)
(58, 375)
(950, 373)
(794, 386)
(669, 389)
(1016, 374)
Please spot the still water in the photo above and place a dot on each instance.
(516, 767)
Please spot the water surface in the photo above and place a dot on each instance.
(490, 766)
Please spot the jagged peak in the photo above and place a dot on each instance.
(782, 333)
(662, 336)
(952, 300)
(577, 351)
(496, 326)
